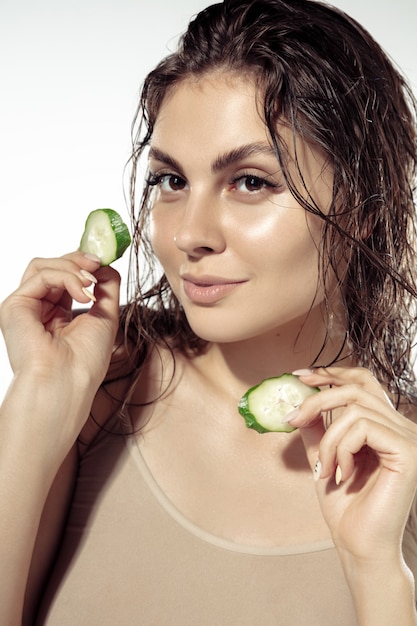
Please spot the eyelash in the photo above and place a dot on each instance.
(155, 180)
(265, 183)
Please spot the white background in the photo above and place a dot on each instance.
(70, 74)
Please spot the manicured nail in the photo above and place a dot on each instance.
(317, 470)
(92, 257)
(303, 372)
(291, 416)
(338, 475)
(88, 276)
(89, 294)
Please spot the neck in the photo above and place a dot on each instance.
(250, 361)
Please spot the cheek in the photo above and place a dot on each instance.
(288, 260)
(161, 237)
(286, 242)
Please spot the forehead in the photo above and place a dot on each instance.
(202, 119)
(217, 106)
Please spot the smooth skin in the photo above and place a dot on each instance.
(367, 498)
(226, 213)
(214, 221)
(241, 256)
(58, 365)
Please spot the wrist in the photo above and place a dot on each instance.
(382, 589)
(43, 415)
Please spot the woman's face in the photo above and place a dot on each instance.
(238, 250)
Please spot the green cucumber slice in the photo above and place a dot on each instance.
(105, 235)
(265, 405)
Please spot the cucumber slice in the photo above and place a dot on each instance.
(265, 405)
(105, 235)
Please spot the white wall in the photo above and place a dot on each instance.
(69, 78)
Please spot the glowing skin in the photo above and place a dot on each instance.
(238, 250)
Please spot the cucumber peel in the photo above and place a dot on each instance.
(265, 405)
(105, 235)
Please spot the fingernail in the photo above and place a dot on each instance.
(92, 257)
(317, 470)
(338, 475)
(88, 276)
(290, 416)
(89, 294)
(303, 372)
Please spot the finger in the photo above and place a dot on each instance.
(107, 293)
(340, 400)
(394, 451)
(105, 315)
(50, 284)
(72, 262)
(44, 298)
(311, 437)
(331, 444)
(339, 376)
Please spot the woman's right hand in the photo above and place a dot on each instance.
(62, 357)
(59, 361)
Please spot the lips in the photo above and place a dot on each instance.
(208, 289)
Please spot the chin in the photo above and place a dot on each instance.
(229, 332)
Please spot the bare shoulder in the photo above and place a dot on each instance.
(138, 381)
(111, 395)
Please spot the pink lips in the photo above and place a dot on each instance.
(208, 289)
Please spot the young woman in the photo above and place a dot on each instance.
(275, 234)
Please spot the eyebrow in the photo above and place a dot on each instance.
(164, 157)
(239, 154)
(221, 162)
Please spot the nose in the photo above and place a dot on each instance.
(200, 230)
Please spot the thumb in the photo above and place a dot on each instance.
(97, 329)
(107, 289)
(311, 436)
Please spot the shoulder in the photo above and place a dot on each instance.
(134, 378)
(111, 395)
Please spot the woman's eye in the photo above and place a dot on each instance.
(167, 182)
(252, 183)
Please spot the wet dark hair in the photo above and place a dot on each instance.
(322, 74)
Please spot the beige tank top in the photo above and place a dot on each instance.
(130, 558)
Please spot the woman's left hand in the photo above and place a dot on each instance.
(365, 462)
